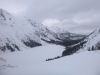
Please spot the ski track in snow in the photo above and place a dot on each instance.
(32, 62)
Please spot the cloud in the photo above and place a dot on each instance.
(15, 7)
(42, 9)
(61, 9)
(51, 22)
(65, 13)
(83, 22)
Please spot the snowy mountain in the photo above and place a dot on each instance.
(49, 36)
(18, 33)
(42, 31)
(90, 43)
(21, 34)
(93, 41)
(15, 33)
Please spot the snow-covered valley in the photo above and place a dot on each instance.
(32, 62)
(25, 47)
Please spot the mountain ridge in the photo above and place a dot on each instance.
(21, 33)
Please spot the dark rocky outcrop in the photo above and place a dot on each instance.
(31, 43)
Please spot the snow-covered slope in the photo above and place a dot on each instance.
(32, 62)
(90, 42)
(59, 36)
(14, 33)
(42, 31)
(93, 41)
(17, 33)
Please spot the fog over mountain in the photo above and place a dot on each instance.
(49, 37)
(74, 15)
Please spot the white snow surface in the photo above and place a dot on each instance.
(93, 39)
(32, 62)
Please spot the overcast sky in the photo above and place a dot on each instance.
(74, 15)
